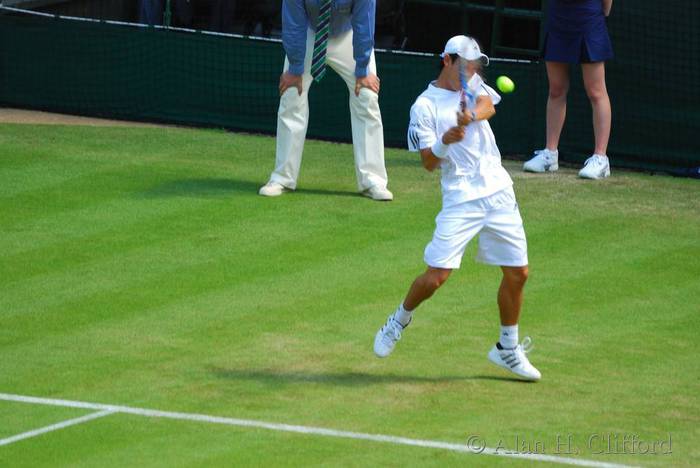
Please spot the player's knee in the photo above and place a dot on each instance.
(524, 274)
(516, 276)
(436, 277)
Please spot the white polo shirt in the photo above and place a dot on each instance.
(472, 168)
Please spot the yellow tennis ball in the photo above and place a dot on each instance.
(505, 84)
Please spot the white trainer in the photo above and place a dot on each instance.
(595, 167)
(543, 161)
(515, 359)
(378, 193)
(272, 189)
(386, 338)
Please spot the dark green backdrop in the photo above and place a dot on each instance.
(126, 72)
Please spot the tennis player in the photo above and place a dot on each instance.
(477, 199)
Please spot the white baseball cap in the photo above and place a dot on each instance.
(466, 47)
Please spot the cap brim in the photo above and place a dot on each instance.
(484, 59)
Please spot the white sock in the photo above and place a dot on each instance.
(509, 336)
(403, 315)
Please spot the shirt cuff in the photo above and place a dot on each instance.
(296, 69)
(360, 71)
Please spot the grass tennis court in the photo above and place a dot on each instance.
(139, 267)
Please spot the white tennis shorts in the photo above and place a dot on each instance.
(496, 219)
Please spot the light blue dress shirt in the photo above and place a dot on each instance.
(300, 15)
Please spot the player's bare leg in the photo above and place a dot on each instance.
(422, 288)
(510, 294)
(425, 286)
(508, 353)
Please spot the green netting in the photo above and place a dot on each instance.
(119, 71)
(198, 79)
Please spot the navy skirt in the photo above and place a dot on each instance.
(576, 32)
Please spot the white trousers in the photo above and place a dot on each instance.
(367, 129)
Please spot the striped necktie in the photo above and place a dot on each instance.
(318, 63)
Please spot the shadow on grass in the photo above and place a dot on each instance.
(334, 193)
(206, 187)
(346, 379)
(213, 187)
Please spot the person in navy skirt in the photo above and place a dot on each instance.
(576, 32)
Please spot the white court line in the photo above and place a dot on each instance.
(55, 427)
(435, 444)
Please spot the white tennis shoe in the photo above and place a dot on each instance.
(543, 161)
(515, 359)
(386, 338)
(272, 189)
(378, 193)
(595, 167)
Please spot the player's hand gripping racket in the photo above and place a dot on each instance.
(467, 98)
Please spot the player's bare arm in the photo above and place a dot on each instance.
(453, 135)
(430, 161)
(370, 82)
(288, 80)
(484, 110)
